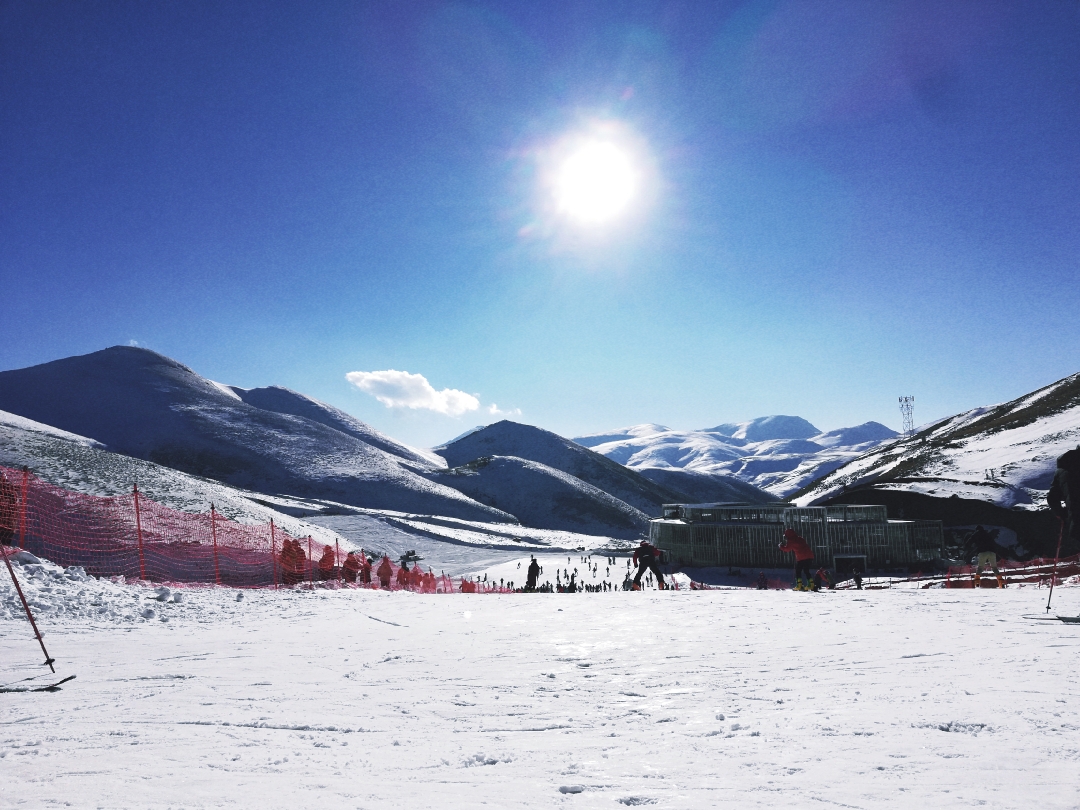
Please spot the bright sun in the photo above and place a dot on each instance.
(595, 182)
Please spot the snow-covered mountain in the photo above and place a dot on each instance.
(1001, 454)
(778, 454)
(534, 444)
(84, 465)
(544, 497)
(271, 440)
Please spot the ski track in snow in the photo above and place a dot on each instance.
(735, 698)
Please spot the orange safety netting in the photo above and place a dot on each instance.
(139, 539)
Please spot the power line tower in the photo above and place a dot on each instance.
(907, 411)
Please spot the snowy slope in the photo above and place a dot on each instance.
(765, 428)
(82, 465)
(544, 497)
(703, 487)
(508, 438)
(144, 405)
(778, 454)
(720, 699)
(282, 400)
(1002, 454)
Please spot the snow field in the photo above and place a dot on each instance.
(733, 698)
(566, 563)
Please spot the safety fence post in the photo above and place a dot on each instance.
(22, 510)
(213, 535)
(311, 563)
(337, 561)
(273, 552)
(48, 661)
(1057, 556)
(138, 531)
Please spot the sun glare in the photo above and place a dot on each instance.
(596, 182)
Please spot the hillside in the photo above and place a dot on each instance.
(543, 497)
(508, 438)
(704, 487)
(83, 465)
(991, 464)
(1002, 454)
(147, 406)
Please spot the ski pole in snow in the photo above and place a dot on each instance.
(1057, 555)
(48, 661)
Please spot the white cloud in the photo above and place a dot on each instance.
(400, 389)
(494, 410)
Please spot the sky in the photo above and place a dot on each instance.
(818, 206)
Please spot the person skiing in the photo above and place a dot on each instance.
(647, 558)
(403, 575)
(533, 573)
(823, 577)
(982, 544)
(1064, 495)
(804, 558)
(365, 569)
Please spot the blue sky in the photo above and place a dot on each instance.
(839, 203)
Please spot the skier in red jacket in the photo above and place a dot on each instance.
(804, 558)
(384, 572)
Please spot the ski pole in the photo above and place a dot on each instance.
(1057, 555)
(48, 661)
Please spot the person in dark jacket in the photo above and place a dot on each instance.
(1064, 496)
(533, 575)
(804, 558)
(647, 558)
(327, 564)
(351, 567)
(8, 512)
(983, 546)
(384, 572)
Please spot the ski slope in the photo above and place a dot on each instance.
(734, 698)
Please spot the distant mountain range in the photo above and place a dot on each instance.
(778, 454)
(523, 469)
(78, 418)
(273, 441)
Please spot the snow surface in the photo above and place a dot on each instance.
(734, 698)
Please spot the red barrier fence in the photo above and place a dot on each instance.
(135, 537)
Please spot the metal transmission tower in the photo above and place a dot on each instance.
(907, 410)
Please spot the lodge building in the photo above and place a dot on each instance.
(845, 538)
